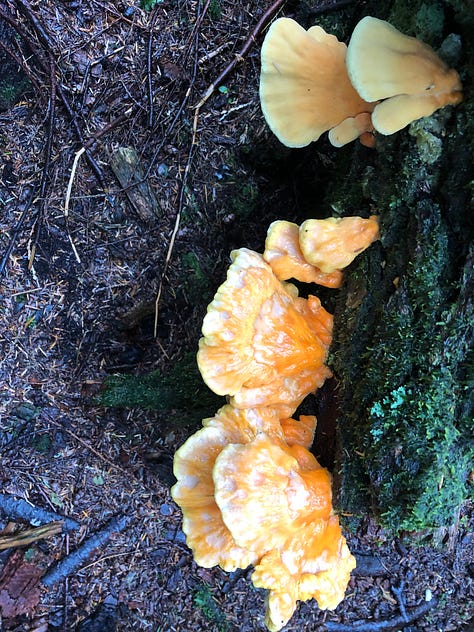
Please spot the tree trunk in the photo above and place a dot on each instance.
(404, 322)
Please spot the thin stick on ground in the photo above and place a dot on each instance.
(77, 157)
(395, 623)
(16, 233)
(20, 509)
(47, 160)
(75, 560)
(28, 536)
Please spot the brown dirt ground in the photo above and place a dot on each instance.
(59, 319)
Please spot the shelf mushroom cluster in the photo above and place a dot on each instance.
(249, 488)
(383, 80)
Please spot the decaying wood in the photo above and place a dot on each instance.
(28, 536)
(126, 166)
(18, 508)
(19, 586)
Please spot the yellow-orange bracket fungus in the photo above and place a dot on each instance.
(251, 493)
(262, 344)
(206, 534)
(283, 253)
(277, 500)
(305, 88)
(413, 81)
(332, 244)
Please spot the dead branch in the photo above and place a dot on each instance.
(390, 624)
(28, 536)
(149, 79)
(47, 160)
(74, 561)
(19, 509)
(240, 56)
(16, 233)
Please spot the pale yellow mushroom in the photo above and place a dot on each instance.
(413, 81)
(304, 86)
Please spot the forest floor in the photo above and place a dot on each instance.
(90, 261)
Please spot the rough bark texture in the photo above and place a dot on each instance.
(405, 318)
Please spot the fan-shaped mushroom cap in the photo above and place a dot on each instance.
(304, 86)
(283, 253)
(261, 343)
(384, 63)
(316, 565)
(276, 500)
(333, 243)
(206, 534)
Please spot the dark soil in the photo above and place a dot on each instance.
(78, 300)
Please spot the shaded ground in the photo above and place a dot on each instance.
(82, 308)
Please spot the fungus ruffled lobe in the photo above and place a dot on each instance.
(262, 344)
(251, 493)
(304, 85)
(332, 244)
(283, 253)
(403, 71)
(277, 499)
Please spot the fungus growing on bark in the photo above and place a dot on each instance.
(333, 243)
(385, 64)
(283, 253)
(304, 86)
(262, 344)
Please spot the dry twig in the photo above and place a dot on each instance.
(389, 624)
(28, 536)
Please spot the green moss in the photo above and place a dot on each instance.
(427, 133)
(416, 457)
(429, 23)
(404, 322)
(12, 87)
(180, 393)
(196, 278)
(215, 10)
(205, 601)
